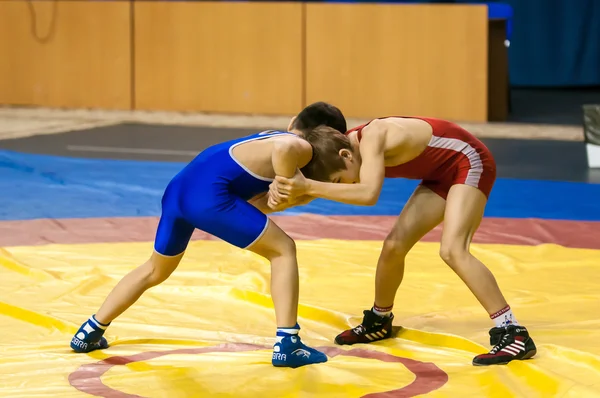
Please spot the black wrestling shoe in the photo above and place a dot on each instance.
(373, 328)
(510, 343)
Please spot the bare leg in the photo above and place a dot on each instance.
(129, 289)
(459, 227)
(153, 272)
(423, 212)
(510, 342)
(280, 250)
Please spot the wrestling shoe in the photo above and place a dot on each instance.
(510, 343)
(290, 352)
(373, 328)
(89, 337)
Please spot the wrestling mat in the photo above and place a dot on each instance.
(73, 227)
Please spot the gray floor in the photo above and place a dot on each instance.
(523, 159)
(551, 105)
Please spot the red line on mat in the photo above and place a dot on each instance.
(428, 377)
(578, 234)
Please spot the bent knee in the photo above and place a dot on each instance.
(155, 276)
(454, 254)
(156, 272)
(395, 246)
(284, 246)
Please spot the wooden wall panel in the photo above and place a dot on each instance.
(232, 57)
(227, 57)
(379, 59)
(65, 54)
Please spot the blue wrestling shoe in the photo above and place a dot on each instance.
(290, 352)
(89, 337)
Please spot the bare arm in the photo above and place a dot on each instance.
(261, 203)
(289, 155)
(372, 171)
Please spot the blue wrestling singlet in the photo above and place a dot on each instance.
(211, 194)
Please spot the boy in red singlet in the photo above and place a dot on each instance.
(457, 173)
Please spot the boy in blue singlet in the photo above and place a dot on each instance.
(224, 191)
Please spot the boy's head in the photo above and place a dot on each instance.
(317, 114)
(334, 158)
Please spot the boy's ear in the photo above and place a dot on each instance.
(292, 120)
(346, 154)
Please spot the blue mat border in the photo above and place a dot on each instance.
(43, 186)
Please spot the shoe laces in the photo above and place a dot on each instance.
(501, 344)
(359, 329)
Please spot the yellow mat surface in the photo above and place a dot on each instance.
(202, 333)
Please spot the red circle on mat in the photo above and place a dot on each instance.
(428, 377)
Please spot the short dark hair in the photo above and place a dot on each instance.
(326, 160)
(320, 113)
